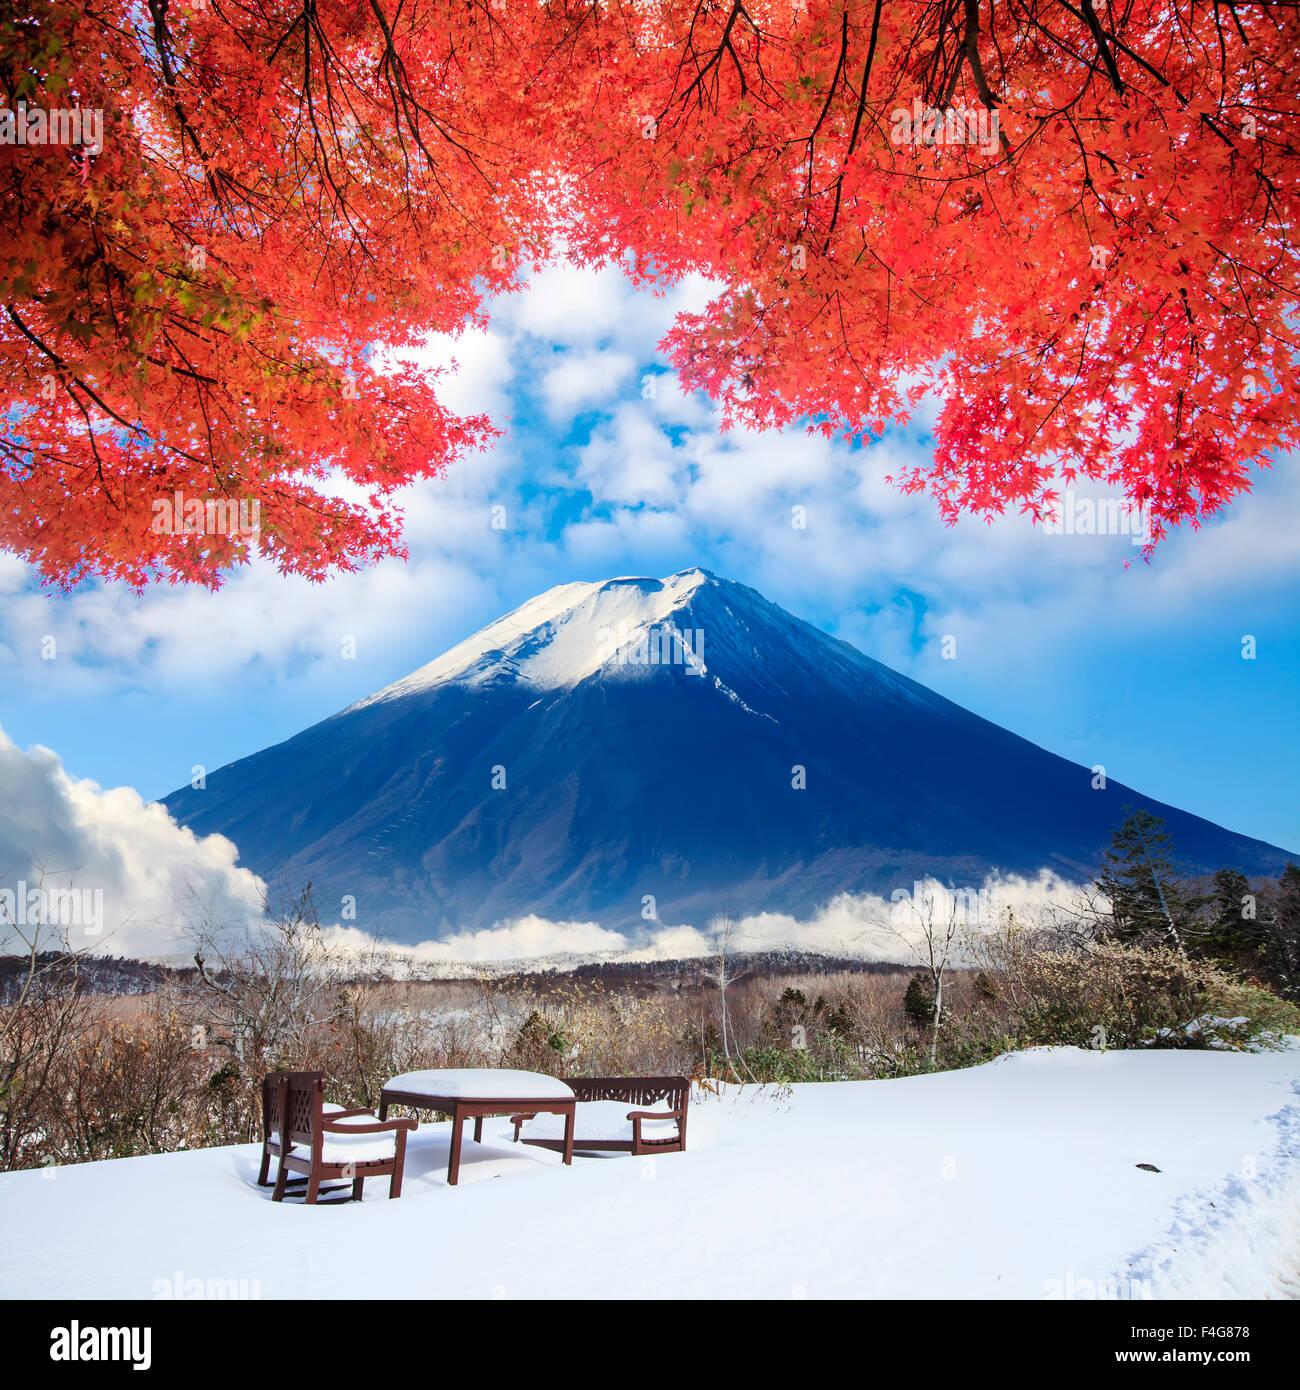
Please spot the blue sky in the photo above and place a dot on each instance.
(1139, 669)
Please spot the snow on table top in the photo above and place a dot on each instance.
(1011, 1180)
(482, 1083)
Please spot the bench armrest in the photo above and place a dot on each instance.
(518, 1122)
(379, 1126)
(637, 1116)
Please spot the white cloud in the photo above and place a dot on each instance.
(570, 305)
(868, 927)
(859, 927)
(184, 637)
(138, 876)
(582, 379)
(658, 540)
(581, 307)
(631, 461)
(743, 472)
(528, 938)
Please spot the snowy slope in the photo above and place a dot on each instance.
(1012, 1180)
(638, 738)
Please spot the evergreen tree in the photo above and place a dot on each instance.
(918, 1002)
(1281, 933)
(1230, 931)
(1144, 885)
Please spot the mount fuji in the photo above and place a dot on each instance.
(680, 739)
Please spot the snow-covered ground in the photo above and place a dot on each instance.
(1013, 1180)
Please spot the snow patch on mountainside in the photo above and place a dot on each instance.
(731, 695)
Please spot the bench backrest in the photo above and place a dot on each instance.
(636, 1090)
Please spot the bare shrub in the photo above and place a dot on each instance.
(1102, 993)
(44, 1012)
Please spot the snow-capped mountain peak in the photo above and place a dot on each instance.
(564, 635)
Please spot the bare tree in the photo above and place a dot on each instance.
(936, 929)
(724, 975)
(261, 991)
(43, 1009)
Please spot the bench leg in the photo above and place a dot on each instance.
(281, 1179)
(313, 1188)
(478, 1129)
(358, 1187)
(570, 1120)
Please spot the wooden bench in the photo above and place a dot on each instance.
(621, 1114)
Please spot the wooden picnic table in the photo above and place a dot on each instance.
(479, 1092)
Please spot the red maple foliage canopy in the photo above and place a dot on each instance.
(1071, 219)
